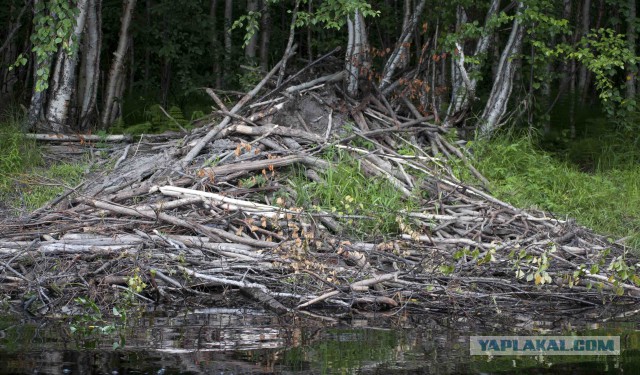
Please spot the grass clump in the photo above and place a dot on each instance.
(367, 207)
(26, 182)
(607, 201)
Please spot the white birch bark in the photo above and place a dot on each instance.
(496, 106)
(356, 59)
(399, 53)
(463, 83)
(117, 66)
(36, 106)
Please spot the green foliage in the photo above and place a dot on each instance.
(605, 53)
(92, 322)
(17, 153)
(41, 185)
(523, 175)
(369, 206)
(24, 180)
(332, 14)
(155, 121)
(53, 26)
(251, 24)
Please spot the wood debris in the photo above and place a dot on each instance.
(169, 211)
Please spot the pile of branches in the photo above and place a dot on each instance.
(168, 222)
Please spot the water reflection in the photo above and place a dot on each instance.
(225, 341)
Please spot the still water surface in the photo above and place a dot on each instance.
(223, 341)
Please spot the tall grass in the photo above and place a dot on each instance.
(369, 206)
(604, 199)
(26, 181)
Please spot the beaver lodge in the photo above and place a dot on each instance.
(252, 208)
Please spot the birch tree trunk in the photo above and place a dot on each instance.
(110, 110)
(496, 106)
(463, 83)
(357, 56)
(400, 51)
(251, 47)
(65, 75)
(36, 106)
(90, 68)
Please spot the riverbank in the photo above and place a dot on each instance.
(304, 201)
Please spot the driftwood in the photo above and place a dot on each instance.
(79, 138)
(174, 214)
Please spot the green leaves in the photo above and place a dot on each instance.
(251, 23)
(53, 23)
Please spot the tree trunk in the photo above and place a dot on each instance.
(215, 44)
(567, 70)
(632, 70)
(399, 54)
(65, 76)
(496, 106)
(584, 30)
(38, 96)
(463, 84)
(265, 35)
(116, 72)
(147, 48)
(287, 50)
(228, 20)
(251, 47)
(357, 56)
(90, 68)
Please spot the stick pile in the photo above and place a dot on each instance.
(168, 222)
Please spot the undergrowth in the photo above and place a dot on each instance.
(368, 207)
(606, 200)
(26, 182)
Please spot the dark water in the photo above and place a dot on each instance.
(220, 341)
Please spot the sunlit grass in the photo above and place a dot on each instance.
(348, 192)
(607, 201)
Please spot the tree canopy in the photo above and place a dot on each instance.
(94, 64)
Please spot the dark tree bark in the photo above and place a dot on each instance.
(9, 53)
(265, 35)
(585, 23)
(251, 47)
(110, 112)
(215, 44)
(90, 68)
(632, 71)
(228, 44)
